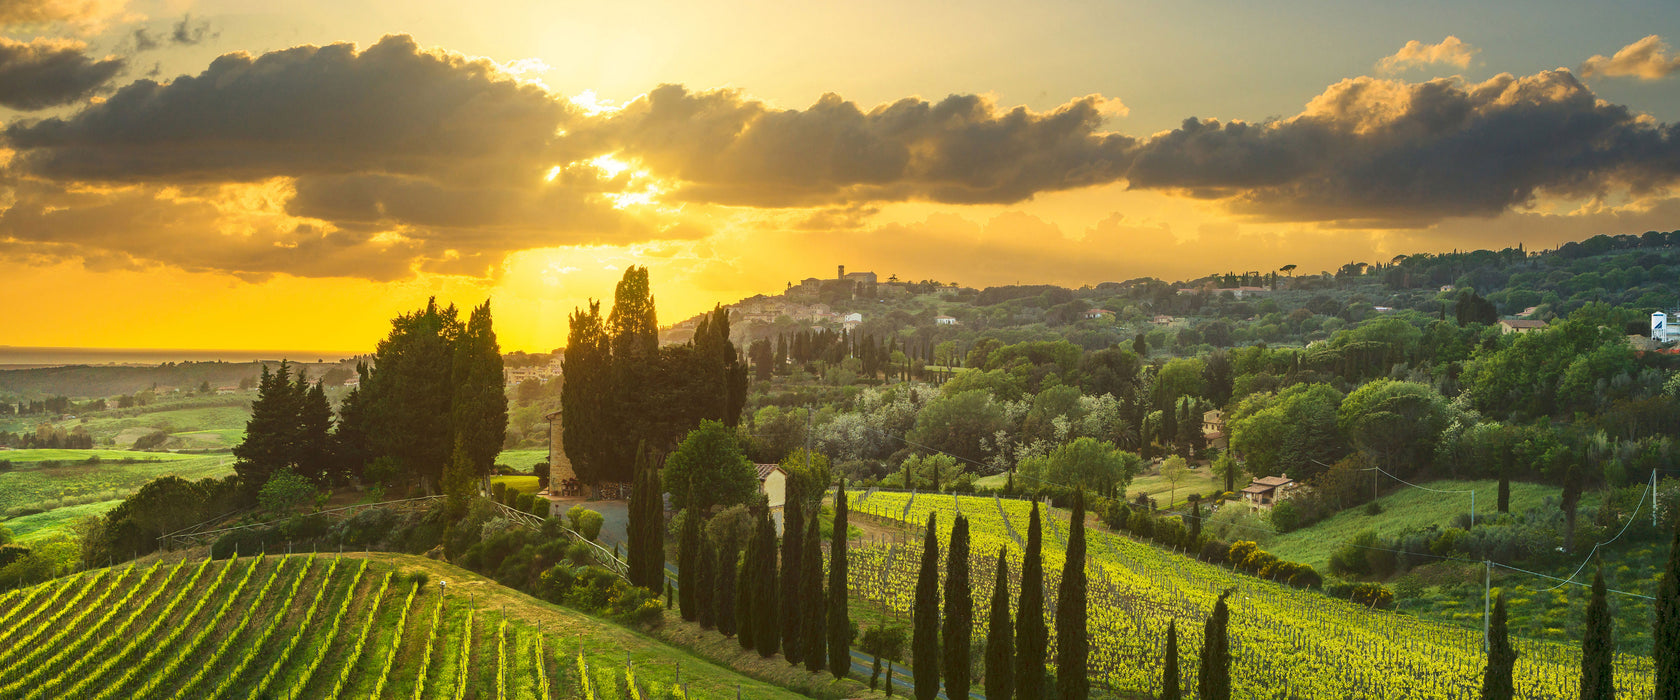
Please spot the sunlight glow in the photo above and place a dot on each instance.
(553, 172)
(609, 165)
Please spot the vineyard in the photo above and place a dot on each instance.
(1286, 643)
(325, 626)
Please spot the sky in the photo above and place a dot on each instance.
(237, 174)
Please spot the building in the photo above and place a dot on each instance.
(1161, 319)
(559, 466)
(1098, 313)
(1213, 429)
(1519, 325)
(1266, 491)
(944, 320)
(772, 482)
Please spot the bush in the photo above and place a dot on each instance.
(366, 528)
(523, 502)
(580, 554)
(1215, 551)
(285, 490)
(1373, 508)
(1285, 517)
(540, 507)
(586, 522)
(498, 492)
(246, 543)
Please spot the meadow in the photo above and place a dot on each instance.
(61, 478)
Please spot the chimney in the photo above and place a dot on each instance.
(842, 272)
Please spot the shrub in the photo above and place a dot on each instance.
(498, 492)
(1285, 517)
(586, 522)
(580, 554)
(523, 502)
(245, 543)
(1215, 552)
(285, 490)
(1373, 508)
(365, 528)
(540, 507)
(554, 583)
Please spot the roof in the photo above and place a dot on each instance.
(943, 316)
(1273, 481)
(1522, 323)
(764, 470)
(1256, 488)
(1098, 311)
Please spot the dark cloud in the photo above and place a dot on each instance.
(963, 149)
(188, 32)
(1371, 152)
(50, 72)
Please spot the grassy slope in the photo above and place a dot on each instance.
(39, 525)
(1407, 508)
(565, 632)
(45, 488)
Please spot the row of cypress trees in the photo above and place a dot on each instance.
(751, 595)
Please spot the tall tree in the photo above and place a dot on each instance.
(725, 571)
(688, 552)
(1072, 637)
(1032, 639)
(1598, 645)
(957, 635)
(767, 612)
(924, 640)
(1000, 652)
(793, 569)
(411, 392)
(314, 445)
(1504, 490)
(459, 483)
(352, 446)
(813, 644)
(585, 396)
(1665, 637)
(647, 525)
(1214, 678)
(1169, 665)
(478, 410)
(270, 432)
(633, 327)
(746, 628)
(1497, 683)
(839, 618)
(705, 593)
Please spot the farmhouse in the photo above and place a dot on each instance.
(1519, 325)
(772, 482)
(1265, 491)
(944, 320)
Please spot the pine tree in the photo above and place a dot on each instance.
(314, 447)
(1031, 637)
(813, 644)
(725, 569)
(478, 409)
(839, 622)
(924, 642)
(1000, 652)
(1169, 665)
(1665, 637)
(957, 635)
(1213, 681)
(766, 606)
(1072, 638)
(705, 594)
(746, 629)
(793, 570)
(411, 394)
(1502, 659)
(270, 432)
(1598, 645)
(688, 551)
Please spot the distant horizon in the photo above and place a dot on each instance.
(13, 356)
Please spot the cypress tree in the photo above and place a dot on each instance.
(478, 409)
(724, 572)
(585, 395)
(1196, 520)
(815, 616)
(839, 619)
(1072, 641)
(1031, 637)
(1000, 652)
(793, 545)
(314, 446)
(766, 607)
(1665, 637)
(1598, 646)
(1169, 665)
(745, 628)
(924, 643)
(688, 552)
(269, 434)
(1504, 492)
(705, 599)
(957, 636)
(1502, 659)
(647, 527)
(1214, 678)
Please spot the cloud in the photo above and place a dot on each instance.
(86, 14)
(184, 32)
(50, 72)
(1416, 54)
(440, 157)
(726, 148)
(1646, 59)
(1371, 152)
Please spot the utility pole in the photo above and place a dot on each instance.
(1472, 509)
(1653, 497)
(1487, 600)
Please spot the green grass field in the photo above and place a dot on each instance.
(360, 625)
(1202, 481)
(522, 459)
(24, 458)
(75, 483)
(39, 525)
(522, 484)
(1408, 508)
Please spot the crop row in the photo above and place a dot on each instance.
(276, 614)
(140, 642)
(37, 671)
(396, 642)
(179, 658)
(355, 654)
(280, 663)
(326, 641)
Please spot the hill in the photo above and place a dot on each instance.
(1287, 642)
(352, 625)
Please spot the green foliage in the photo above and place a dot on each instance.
(1295, 429)
(410, 391)
(1032, 638)
(839, 623)
(288, 429)
(956, 633)
(1169, 664)
(814, 625)
(285, 491)
(1087, 463)
(1000, 648)
(1396, 424)
(1072, 632)
(459, 480)
(709, 465)
(931, 472)
(1598, 646)
(1665, 634)
(956, 423)
(585, 521)
(478, 409)
(924, 643)
(813, 472)
(1285, 516)
(1497, 681)
(1213, 680)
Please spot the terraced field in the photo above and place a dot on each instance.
(323, 626)
(1286, 643)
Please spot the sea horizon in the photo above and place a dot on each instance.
(20, 357)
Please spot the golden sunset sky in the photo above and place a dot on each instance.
(290, 175)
